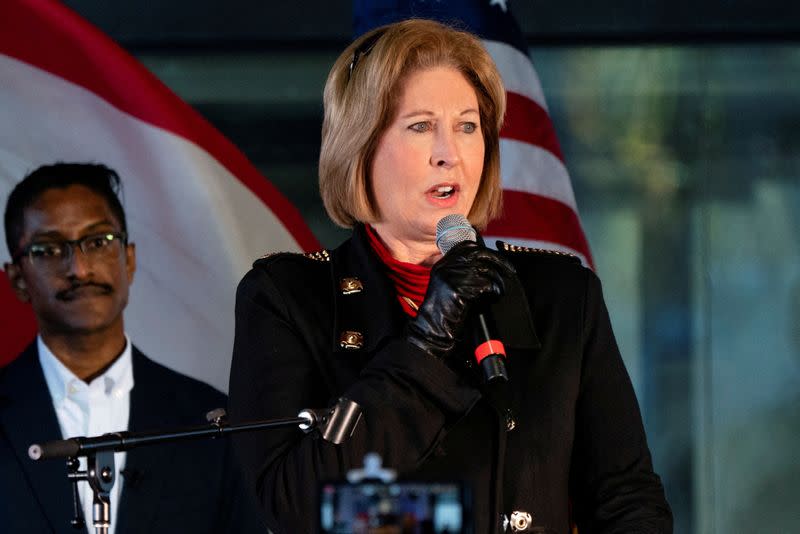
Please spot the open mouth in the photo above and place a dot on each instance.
(443, 191)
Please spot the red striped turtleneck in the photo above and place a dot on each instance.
(410, 280)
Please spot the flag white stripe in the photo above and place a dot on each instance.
(517, 70)
(532, 169)
(191, 219)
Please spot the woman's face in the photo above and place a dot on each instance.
(429, 161)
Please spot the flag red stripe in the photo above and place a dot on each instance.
(529, 216)
(53, 38)
(17, 323)
(527, 121)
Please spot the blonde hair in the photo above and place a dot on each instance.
(360, 98)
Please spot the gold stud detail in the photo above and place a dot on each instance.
(508, 247)
(319, 255)
(350, 339)
(350, 286)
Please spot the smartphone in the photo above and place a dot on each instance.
(403, 507)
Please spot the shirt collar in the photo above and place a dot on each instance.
(116, 380)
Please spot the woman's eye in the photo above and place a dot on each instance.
(421, 126)
(469, 127)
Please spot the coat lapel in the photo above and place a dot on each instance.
(27, 416)
(147, 467)
(370, 311)
(512, 317)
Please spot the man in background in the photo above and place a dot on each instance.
(72, 261)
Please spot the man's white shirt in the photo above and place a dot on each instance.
(92, 409)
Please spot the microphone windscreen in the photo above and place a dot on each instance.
(453, 229)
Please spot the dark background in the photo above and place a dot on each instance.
(254, 23)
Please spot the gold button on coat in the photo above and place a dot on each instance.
(350, 339)
(350, 285)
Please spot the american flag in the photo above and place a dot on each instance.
(198, 210)
(539, 204)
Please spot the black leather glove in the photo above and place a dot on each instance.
(468, 274)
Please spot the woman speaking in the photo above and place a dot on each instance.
(549, 434)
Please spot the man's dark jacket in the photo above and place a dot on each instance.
(578, 435)
(190, 487)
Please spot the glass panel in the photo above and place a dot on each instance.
(686, 167)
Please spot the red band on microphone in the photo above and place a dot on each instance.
(488, 348)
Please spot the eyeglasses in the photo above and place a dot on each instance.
(52, 255)
(363, 50)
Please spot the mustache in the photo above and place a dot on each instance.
(72, 291)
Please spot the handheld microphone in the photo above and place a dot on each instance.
(489, 351)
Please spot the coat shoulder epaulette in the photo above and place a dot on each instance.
(318, 255)
(502, 246)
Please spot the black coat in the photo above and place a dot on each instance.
(578, 437)
(190, 487)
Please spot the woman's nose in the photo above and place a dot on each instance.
(445, 150)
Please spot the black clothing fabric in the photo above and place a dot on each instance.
(577, 433)
(191, 487)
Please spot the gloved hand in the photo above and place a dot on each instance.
(468, 274)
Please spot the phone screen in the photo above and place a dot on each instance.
(398, 507)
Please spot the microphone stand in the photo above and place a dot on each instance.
(335, 424)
